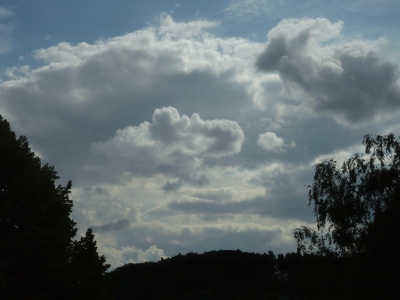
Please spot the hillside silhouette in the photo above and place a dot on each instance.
(224, 274)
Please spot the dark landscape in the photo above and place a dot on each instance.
(199, 150)
(354, 258)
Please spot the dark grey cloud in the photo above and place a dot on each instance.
(200, 181)
(349, 80)
(196, 181)
(112, 226)
(96, 190)
(280, 203)
(283, 204)
(172, 186)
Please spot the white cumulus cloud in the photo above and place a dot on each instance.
(172, 144)
(270, 142)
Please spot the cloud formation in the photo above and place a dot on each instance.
(174, 29)
(178, 140)
(112, 226)
(196, 181)
(131, 254)
(249, 8)
(270, 142)
(207, 237)
(118, 82)
(173, 144)
(5, 13)
(347, 80)
(5, 30)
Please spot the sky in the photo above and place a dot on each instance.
(195, 126)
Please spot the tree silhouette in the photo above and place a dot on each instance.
(36, 232)
(357, 208)
(87, 267)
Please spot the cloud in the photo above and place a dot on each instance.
(276, 203)
(206, 237)
(130, 254)
(347, 80)
(215, 195)
(283, 198)
(270, 142)
(340, 156)
(193, 238)
(249, 8)
(5, 31)
(197, 181)
(171, 126)
(94, 207)
(5, 13)
(172, 186)
(182, 30)
(88, 91)
(173, 144)
(112, 226)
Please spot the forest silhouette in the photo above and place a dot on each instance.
(351, 254)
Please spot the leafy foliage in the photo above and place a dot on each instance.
(347, 201)
(357, 208)
(37, 252)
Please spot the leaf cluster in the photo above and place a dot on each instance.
(348, 200)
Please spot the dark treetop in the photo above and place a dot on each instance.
(38, 257)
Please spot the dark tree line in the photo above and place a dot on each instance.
(224, 274)
(38, 257)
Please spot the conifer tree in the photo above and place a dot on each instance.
(88, 268)
(36, 231)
